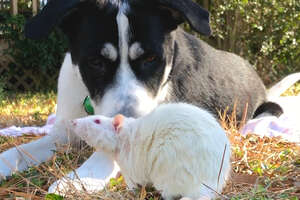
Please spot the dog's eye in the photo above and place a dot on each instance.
(95, 62)
(150, 58)
(98, 66)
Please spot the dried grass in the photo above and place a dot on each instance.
(262, 168)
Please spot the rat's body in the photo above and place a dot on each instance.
(177, 147)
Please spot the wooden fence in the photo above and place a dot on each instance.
(21, 78)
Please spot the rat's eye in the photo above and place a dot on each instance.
(97, 121)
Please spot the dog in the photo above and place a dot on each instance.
(160, 146)
(129, 56)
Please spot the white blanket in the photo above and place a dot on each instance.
(287, 125)
(14, 131)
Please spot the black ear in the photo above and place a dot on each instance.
(40, 26)
(182, 10)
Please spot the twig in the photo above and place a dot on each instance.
(221, 167)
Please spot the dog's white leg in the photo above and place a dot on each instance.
(71, 92)
(93, 175)
(23, 156)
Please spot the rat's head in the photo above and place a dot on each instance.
(99, 131)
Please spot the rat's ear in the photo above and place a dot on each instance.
(118, 122)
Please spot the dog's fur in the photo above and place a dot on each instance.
(129, 56)
(180, 149)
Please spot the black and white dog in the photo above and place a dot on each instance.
(129, 56)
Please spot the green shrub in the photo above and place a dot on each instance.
(264, 32)
(2, 88)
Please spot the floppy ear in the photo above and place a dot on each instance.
(41, 25)
(182, 10)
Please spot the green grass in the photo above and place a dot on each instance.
(26, 108)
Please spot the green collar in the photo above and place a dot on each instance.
(88, 106)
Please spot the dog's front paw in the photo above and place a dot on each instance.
(11, 161)
(67, 186)
(4, 171)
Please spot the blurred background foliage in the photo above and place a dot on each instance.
(265, 32)
(44, 56)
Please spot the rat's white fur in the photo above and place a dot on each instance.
(177, 147)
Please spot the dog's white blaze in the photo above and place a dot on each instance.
(135, 51)
(123, 27)
(109, 51)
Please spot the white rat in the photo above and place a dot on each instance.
(178, 148)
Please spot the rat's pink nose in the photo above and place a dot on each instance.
(73, 122)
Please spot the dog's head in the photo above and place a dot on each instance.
(123, 48)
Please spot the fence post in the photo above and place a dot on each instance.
(14, 7)
(34, 7)
(206, 4)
